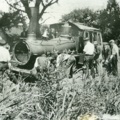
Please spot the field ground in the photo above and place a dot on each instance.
(67, 99)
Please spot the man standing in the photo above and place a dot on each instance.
(89, 50)
(61, 58)
(24, 33)
(4, 59)
(46, 34)
(106, 52)
(98, 57)
(106, 56)
(79, 43)
(114, 57)
(42, 64)
(70, 64)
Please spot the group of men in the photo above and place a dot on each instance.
(64, 60)
(111, 57)
(96, 54)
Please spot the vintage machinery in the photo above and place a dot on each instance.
(26, 51)
(67, 35)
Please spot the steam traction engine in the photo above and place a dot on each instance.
(70, 36)
(25, 52)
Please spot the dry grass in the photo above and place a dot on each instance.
(50, 99)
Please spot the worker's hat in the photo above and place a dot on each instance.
(2, 41)
(48, 53)
(69, 52)
(86, 39)
(58, 52)
(73, 52)
(111, 41)
(95, 42)
(43, 55)
(65, 51)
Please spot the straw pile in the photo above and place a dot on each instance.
(52, 99)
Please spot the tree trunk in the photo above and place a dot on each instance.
(38, 33)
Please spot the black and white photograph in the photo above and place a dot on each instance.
(59, 60)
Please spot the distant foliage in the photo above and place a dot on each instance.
(25, 6)
(9, 20)
(108, 19)
(86, 16)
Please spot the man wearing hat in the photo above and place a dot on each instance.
(4, 56)
(114, 57)
(89, 51)
(70, 63)
(42, 63)
(98, 57)
(61, 58)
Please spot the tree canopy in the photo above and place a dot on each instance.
(34, 15)
(23, 6)
(108, 19)
(8, 20)
(86, 16)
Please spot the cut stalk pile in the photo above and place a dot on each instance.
(52, 99)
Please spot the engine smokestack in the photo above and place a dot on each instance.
(32, 30)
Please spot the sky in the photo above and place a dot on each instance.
(65, 6)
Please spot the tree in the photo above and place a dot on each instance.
(34, 9)
(86, 16)
(109, 20)
(8, 20)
